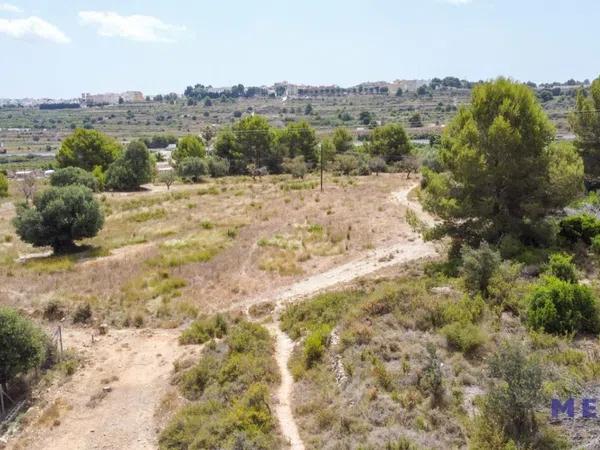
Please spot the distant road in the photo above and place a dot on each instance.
(23, 154)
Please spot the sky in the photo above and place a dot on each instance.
(60, 49)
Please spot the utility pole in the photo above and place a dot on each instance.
(321, 147)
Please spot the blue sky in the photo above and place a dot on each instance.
(64, 48)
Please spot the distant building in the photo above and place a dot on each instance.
(113, 98)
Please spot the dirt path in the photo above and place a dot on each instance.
(413, 248)
(111, 402)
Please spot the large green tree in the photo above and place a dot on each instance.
(59, 216)
(133, 169)
(299, 139)
(22, 345)
(249, 141)
(585, 121)
(342, 140)
(498, 165)
(189, 146)
(390, 142)
(88, 149)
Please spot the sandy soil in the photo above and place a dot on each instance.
(111, 402)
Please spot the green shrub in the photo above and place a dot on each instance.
(465, 337)
(324, 309)
(74, 175)
(562, 267)
(596, 245)
(479, 266)
(314, 345)
(3, 185)
(467, 309)
(431, 379)
(296, 166)
(22, 345)
(582, 227)
(54, 310)
(218, 167)
(230, 393)
(557, 306)
(192, 169)
(203, 330)
(508, 411)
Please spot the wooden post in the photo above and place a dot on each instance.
(2, 399)
(321, 145)
(60, 340)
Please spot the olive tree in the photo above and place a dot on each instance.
(131, 170)
(74, 175)
(59, 216)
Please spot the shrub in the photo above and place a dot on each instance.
(562, 267)
(465, 337)
(82, 314)
(60, 216)
(296, 166)
(478, 267)
(346, 164)
(22, 345)
(218, 167)
(377, 165)
(54, 310)
(74, 175)
(558, 306)
(582, 227)
(508, 411)
(203, 330)
(596, 245)
(502, 286)
(314, 346)
(192, 168)
(3, 185)
(431, 378)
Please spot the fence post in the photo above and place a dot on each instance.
(2, 399)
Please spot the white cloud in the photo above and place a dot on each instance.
(7, 7)
(32, 28)
(136, 27)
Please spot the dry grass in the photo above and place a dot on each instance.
(165, 257)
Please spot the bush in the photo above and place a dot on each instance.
(22, 345)
(377, 165)
(218, 167)
(74, 175)
(203, 330)
(192, 169)
(562, 267)
(54, 310)
(3, 185)
(465, 337)
(314, 346)
(508, 411)
(558, 306)
(596, 245)
(479, 266)
(346, 164)
(582, 227)
(131, 170)
(431, 378)
(82, 314)
(296, 166)
(60, 216)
